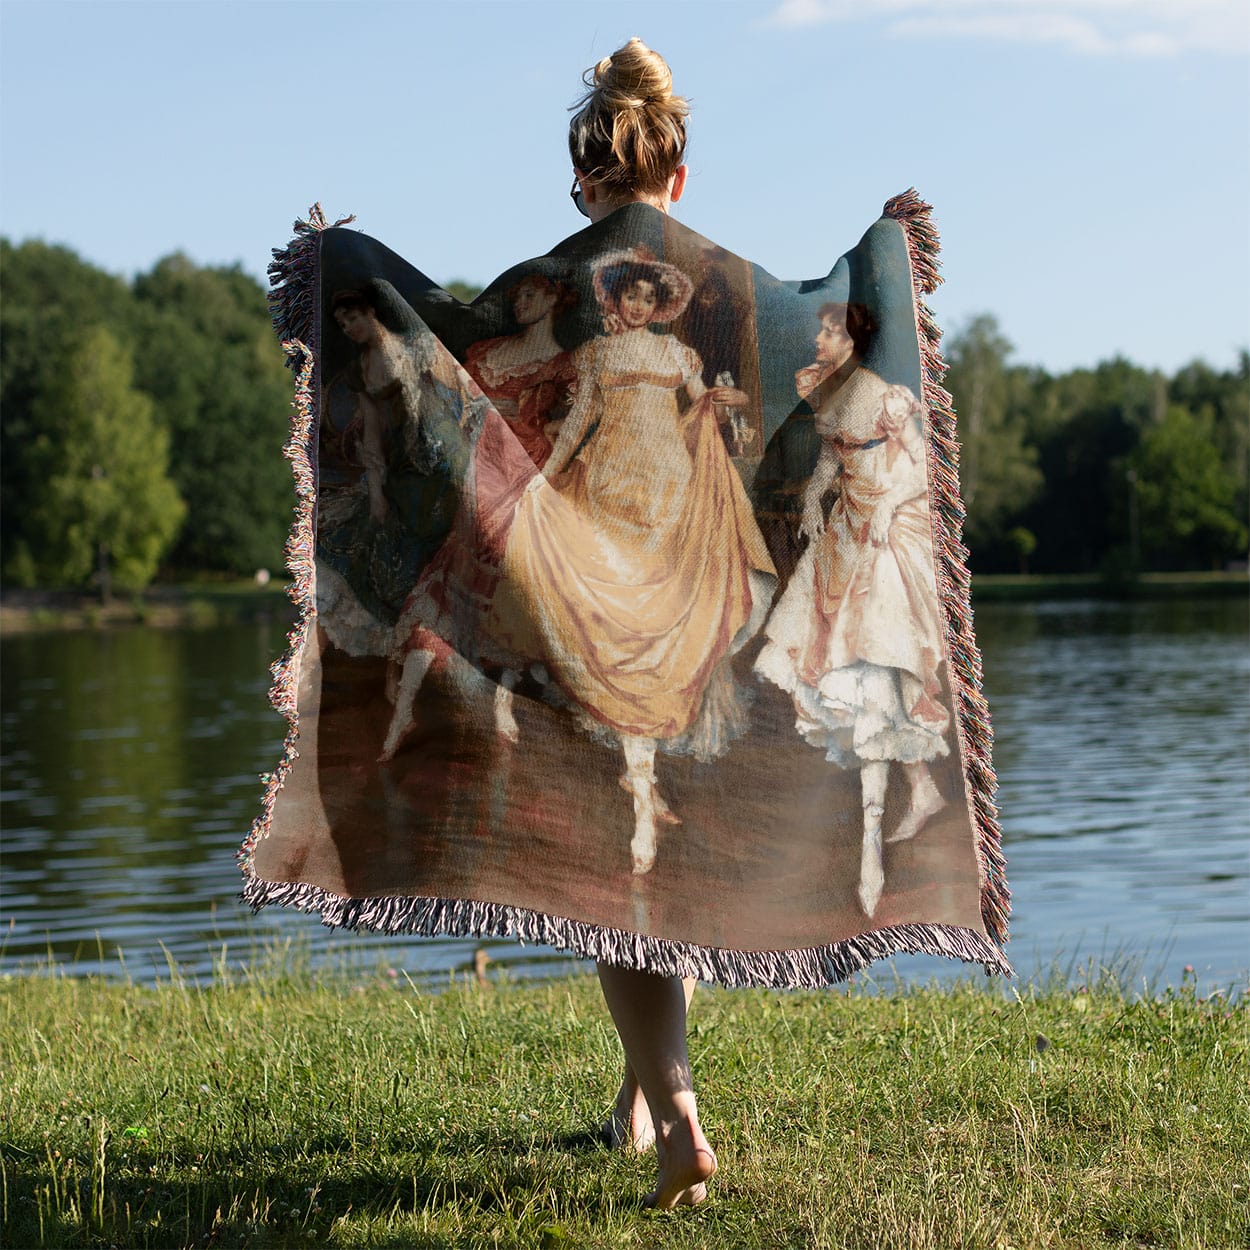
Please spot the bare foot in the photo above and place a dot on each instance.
(629, 1126)
(686, 1165)
(926, 801)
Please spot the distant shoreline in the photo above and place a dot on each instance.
(200, 605)
(177, 605)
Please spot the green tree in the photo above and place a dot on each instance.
(207, 355)
(998, 468)
(1221, 398)
(103, 503)
(1186, 495)
(51, 297)
(465, 292)
(1086, 424)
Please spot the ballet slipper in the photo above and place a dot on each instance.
(663, 813)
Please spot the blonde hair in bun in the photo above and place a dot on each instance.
(629, 131)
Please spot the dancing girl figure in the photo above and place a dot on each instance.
(634, 566)
(855, 639)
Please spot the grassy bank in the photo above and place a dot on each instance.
(217, 603)
(284, 1110)
(1000, 587)
(167, 606)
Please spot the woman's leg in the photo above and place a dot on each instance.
(650, 1015)
(416, 665)
(872, 779)
(926, 801)
(629, 1125)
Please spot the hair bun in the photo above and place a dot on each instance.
(634, 76)
(629, 131)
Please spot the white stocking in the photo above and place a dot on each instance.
(505, 721)
(640, 777)
(416, 665)
(872, 779)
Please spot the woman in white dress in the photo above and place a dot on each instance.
(855, 638)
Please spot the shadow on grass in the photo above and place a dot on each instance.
(265, 1198)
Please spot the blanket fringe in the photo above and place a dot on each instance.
(294, 295)
(976, 735)
(295, 305)
(808, 968)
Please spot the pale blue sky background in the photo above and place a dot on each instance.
(1089, 160)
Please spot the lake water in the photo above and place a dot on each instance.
(130, 762)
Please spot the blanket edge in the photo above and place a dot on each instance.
(972, 718)
(812, 967)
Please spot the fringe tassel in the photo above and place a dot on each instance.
(300, 545)
(295, 281)
(295, 304)
(976, 735)
(809, 968)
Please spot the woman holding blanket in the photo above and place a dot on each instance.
(632, 570)
(586, 731)
(627, 143)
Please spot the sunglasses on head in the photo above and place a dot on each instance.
(576, 196)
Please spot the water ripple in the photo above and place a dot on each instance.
(131, 769)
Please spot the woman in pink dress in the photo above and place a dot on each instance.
(528, 376)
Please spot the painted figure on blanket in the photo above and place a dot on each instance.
(719, 324)
(528, 376)
(855, 638)
(391, 454)
(634, 568)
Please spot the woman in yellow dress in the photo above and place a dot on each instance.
(634, 563)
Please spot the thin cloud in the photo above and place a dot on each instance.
(1136, 28)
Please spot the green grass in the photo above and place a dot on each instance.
(292, 1109)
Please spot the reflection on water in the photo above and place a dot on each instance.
(1122, 732)
(131, 762)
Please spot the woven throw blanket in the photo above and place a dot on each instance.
(634, 617)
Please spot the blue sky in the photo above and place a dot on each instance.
(1088, 160)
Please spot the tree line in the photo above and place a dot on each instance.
(142, 424)
(1113, 470)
